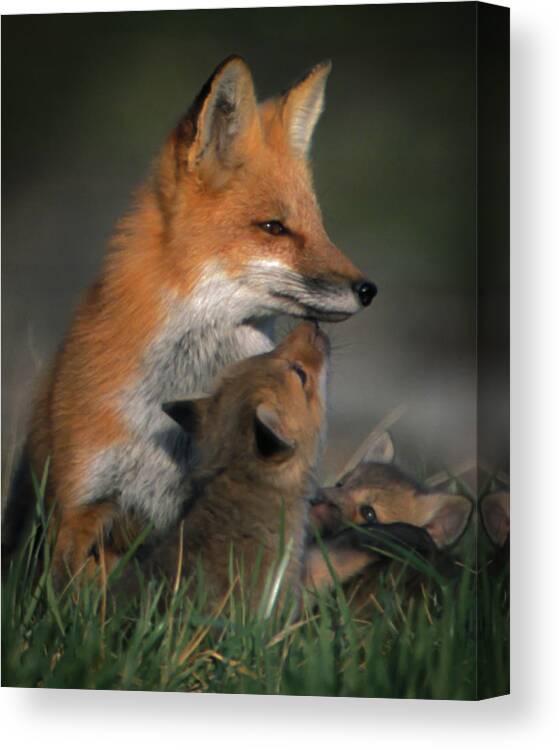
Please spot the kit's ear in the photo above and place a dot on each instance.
(381, 451)
(302, 106)
(443, 516)
(495, 513)
(189, 414)
(271, 440)
(216, 125)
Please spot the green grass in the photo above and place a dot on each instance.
(452, 644)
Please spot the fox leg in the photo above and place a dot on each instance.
(345, 561)
(350, 551)
(80, 530)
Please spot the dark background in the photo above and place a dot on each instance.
(88, 99)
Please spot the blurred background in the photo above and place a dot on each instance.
(87, 101)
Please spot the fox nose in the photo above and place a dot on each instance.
(366, 291)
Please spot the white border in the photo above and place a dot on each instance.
(70, 719)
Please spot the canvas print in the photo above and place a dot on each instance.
(255, 337)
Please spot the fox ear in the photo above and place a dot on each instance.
(271, 440)
(495, 512)
(443, 516)
(302, 106)
(381, 451)
(188, 414)
(219, 119)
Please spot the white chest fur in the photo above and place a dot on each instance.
(199, 337)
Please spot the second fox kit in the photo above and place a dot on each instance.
(225, 235)
(377, 492)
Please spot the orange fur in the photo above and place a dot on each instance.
(79, 530)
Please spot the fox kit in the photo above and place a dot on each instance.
(376, 493)
(257, 440)
(226, 235)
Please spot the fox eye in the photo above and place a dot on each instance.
(301, 373)
(368, 514)
(276, 228)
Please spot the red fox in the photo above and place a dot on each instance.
(226, 235)
(376, 492)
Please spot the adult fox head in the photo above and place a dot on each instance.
(378, 492)
(235, 189)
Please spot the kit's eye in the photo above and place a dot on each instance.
(301, 373)
(340, 483)
(368, 514)
(276, 228)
